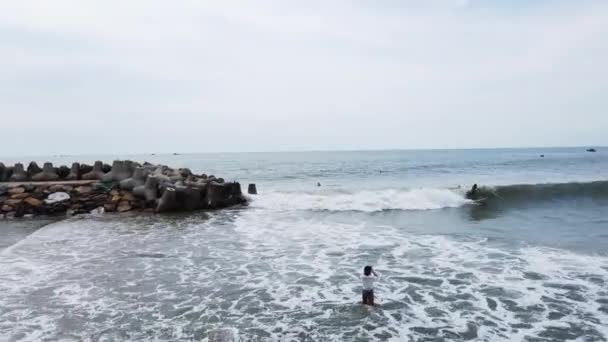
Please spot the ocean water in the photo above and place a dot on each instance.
(529, 264)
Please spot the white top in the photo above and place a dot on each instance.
(368, 281)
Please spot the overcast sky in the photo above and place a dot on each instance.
(203, 76)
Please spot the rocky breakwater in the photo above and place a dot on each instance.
(124, 186)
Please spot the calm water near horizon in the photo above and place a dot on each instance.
(529, 265)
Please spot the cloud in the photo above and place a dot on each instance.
(315, 74)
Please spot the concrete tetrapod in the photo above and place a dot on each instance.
(138, 178)
(117, 165)
(84, 169)
(6, 175)
(221, 195)
(48, 174)
(168, 201)
(33, 169)
(19, 174)
(189, 198)
(63, 171)
(148, 191)
(96, 173)
(73, 175)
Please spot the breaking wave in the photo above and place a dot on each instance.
(544, 192)
(426, 198)
(366, 201)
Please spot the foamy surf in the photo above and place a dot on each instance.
(282, 277)
(365, 201)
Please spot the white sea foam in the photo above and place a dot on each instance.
(429, 282)
(366, 200)
(282, 276)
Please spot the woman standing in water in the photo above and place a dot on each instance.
(368, 278)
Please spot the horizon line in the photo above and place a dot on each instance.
(308, 151)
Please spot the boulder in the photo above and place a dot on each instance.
(95, 173)
(109, 207)
(148, 191)
(123, 206)
(138, 178)
(252, 190)
(33, 202)
(19, 174)
(16, 190)
(106, 168)
(138, 204)
(168, 201)
(57, 197)
(3, 190)
(48, 174)
(127, 196)
(33, 169)
(63, 171)
(98, 211)
(2, 169)
(56, 188)
(74, 172)
(20, 196)
(83, 189)
(13, 202)
(6, 208)
(99, 198)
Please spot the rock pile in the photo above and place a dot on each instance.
(125, 186)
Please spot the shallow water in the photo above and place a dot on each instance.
(286, 267)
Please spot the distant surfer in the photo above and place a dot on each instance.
(472, 194)
(318, 184)
(368, 278)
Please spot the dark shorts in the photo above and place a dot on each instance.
(368, 296)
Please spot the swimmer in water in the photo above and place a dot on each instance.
(368, 278)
